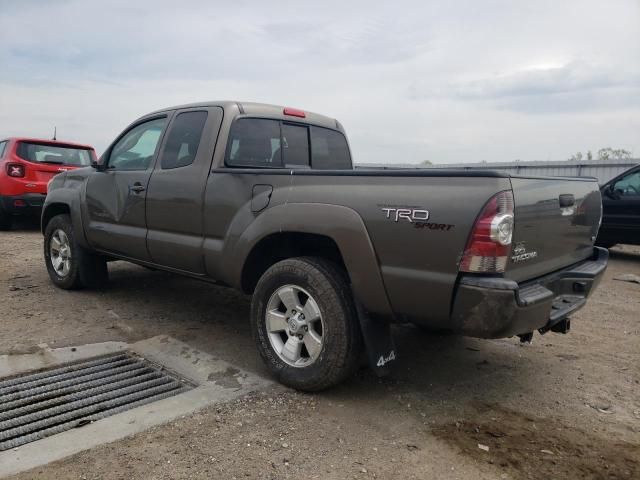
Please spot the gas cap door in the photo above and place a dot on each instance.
(261, 196)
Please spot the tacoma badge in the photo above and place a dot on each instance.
(520, 253)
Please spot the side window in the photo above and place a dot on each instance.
(255, 142)
(295, 145)
(135, 150)
(329, 150)
(184, 138)
(3, 145)
(629, 185)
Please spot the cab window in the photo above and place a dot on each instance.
(135, 150)
(255, 142)
(183, 140)
(295, 145)
(329, 150)
(628, 185)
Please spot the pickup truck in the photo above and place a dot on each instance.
(265, 199)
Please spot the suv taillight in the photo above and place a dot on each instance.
(15, 170)
(490, 242)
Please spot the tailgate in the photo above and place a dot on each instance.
(556, 224)
(41, 173)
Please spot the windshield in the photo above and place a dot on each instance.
(62, 155)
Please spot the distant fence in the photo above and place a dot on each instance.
(603, 170)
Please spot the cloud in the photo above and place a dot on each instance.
(574, 87)
(571, 78)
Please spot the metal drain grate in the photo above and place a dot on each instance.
(41, 404)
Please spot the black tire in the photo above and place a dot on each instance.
(6, 221)
(341, 338)
(86, 268)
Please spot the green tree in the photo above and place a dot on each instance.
(609, 153)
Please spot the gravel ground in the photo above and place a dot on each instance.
(566, 406)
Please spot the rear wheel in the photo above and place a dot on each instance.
(69, 265)
(305, 323)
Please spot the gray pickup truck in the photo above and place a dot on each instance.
(265, 199)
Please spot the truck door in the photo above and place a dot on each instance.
(621, 209)
(176, 190)
(115, 205)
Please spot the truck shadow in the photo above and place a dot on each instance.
(622, 255)
(26, 224)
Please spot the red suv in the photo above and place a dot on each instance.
(27, 165)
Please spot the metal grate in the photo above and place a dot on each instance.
(41, 404)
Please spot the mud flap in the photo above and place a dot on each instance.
(381, 350)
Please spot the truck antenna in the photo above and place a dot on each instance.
(55, 133)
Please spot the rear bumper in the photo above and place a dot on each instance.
(497, 307)
(26, 204)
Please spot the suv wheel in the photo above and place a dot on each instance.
(305, 323)
(69, 265)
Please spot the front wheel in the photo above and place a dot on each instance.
(69, 265)
(305, 323)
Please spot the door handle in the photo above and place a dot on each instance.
(137, 187)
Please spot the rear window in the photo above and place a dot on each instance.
(295, 145)
(60, 155)
(3, 146)
(255, 142)
(267, 143)
(329, 150)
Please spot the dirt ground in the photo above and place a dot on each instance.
(567, 406)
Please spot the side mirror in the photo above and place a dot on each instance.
(611, 193)
(98, 165)
(101, 164)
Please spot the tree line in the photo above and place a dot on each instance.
(605, 154)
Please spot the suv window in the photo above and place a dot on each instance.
(135, 150)
(3, 145)
(55, 154)
(183, 140)
(329, 150)
(628, 185)
(295, 145)
(255, 142)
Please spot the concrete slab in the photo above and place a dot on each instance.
(45, 357)
(216, 381)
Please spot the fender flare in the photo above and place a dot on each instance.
(342, 224)
(71, 199)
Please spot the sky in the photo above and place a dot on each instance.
(445, 81)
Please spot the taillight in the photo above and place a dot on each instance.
(15, 170)
(490, 242)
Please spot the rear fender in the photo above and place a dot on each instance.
(343, 225)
